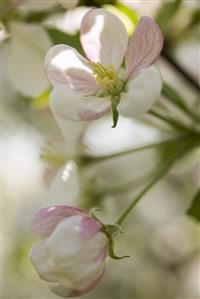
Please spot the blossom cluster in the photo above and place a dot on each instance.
(118, 75)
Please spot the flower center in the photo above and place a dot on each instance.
(107, 78)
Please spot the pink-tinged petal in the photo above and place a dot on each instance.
(103, 254)
(64, 65)
(103, 37)
(142, 91)
(69, 105)
(89, 227)
(62, 291)
(46, 220)
(144, 47)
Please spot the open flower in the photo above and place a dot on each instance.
(72, 254)
(86, 89)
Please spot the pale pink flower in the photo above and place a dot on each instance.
(86, 89)
(71, 256)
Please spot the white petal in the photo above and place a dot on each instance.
(74, 259)
(39, 258)
(29, 44)
(71, 131)
(143, 91)
(69, 22)
(69, 105)
(64, 65)
(104, 37)
(66, 185)
(61, 291)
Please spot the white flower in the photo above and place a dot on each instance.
(87, 89)
(71, 255)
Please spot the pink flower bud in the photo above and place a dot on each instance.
(71, 255)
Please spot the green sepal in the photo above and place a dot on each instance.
(111, 231)
(115, 114)
(92, 214)
(111, 251)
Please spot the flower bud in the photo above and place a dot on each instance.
(71, 255)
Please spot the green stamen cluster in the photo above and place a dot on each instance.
(107, 78)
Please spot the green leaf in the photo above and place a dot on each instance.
(194, 210)
(132, 14)
(40, 101)
(195, 18)
(60, 37)
(166, 13)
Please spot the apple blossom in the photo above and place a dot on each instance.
(71, 256)
(86, 89)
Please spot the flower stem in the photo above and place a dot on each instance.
(165, 54)
(86, 160)
(174, 97)
(172, 122)
(159, 175)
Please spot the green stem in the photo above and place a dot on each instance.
(178, 68)
(172, 122)
(160, 174)
(85, 160)
(174, 97)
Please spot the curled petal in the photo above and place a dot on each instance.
(69, 105)
(143, 91)
(64, 65)
(144, 47)
(103, 37)
(62, 291)
(46, 220)
(103, 254)
(38, 256)
(89, 227)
